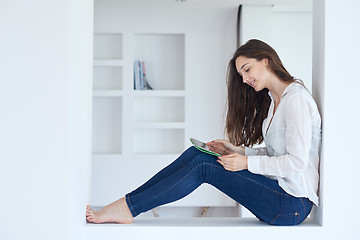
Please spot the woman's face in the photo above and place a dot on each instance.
(254, 73)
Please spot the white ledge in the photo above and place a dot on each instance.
(198, 222)
(200, 228)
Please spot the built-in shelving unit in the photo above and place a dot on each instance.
(152, 120)
(107, 95)
(136, 127)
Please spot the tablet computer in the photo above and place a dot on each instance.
(203, 147)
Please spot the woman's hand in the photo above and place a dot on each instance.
(233, 162)
(224, 147)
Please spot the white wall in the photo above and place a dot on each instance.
(336, 88)
(34, 112)
(39, 177)
(288, 29)
(80, 35)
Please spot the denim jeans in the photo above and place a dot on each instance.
(259, 194)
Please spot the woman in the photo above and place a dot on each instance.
(278, 183)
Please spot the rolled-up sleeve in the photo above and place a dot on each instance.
(298, 133)
(261, 151)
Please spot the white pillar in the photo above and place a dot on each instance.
(336, 87)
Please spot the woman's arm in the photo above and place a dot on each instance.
(224, 147)
(260, 151)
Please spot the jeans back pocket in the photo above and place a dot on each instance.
(287, 219)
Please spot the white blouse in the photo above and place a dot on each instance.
(292, 141)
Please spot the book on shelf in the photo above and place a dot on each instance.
(140, 80)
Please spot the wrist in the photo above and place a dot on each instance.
(240, 150)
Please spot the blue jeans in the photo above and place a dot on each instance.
(259, 194)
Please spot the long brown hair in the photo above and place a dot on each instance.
(246, 108)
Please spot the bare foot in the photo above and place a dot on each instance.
(117, 212)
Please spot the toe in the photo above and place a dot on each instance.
(89, 209)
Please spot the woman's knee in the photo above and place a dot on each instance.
(191, 152)
(197, 157)
(203, 159)
(187, 156)
(191, 149)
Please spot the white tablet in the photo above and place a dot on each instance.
(202, 147)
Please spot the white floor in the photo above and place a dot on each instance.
(198, 216)
(194, 212)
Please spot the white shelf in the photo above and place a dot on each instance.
(108, 62)
(139, 93)
(161, 125)
(159, 93)
(164, 57)
(108, 93)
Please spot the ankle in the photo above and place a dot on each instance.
(126, 208)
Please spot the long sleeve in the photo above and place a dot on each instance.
(260, 151)
(298, 136)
